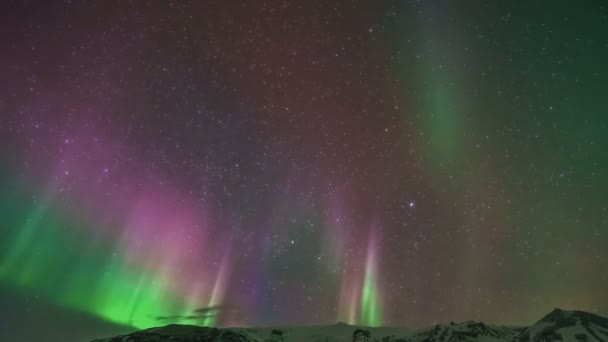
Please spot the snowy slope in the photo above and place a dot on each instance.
(331, 333)
(559, 325)
(465, 332)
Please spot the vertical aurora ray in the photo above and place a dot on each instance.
(441, 118)
(360, 296)
(132, 258)
(219, 291)
(348, 305)
(110, 288)
(371, 314)
(440, 105)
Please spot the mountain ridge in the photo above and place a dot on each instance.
(558, 325)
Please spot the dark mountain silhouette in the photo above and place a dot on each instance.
(559, 325)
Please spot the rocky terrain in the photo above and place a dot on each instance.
(559, 325)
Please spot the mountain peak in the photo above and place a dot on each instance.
(561, 316)
(567, 325)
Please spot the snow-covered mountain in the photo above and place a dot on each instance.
(559, 325)
(466, 332)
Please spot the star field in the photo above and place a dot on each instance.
(304, 162)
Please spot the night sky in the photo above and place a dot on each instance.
(302, 162)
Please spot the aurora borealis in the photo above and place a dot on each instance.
(229, 163)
